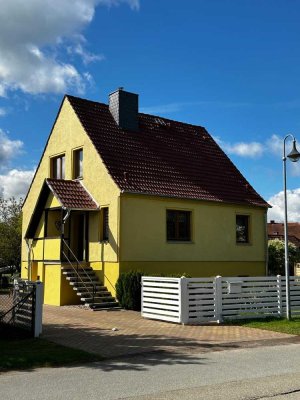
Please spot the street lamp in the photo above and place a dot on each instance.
(294, 156)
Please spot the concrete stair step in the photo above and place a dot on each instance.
(84, 289)
(68, 268)
(80, 273)
(98, 299)
(82, 278)
(104, 306)
(82, 282)
(98, 293)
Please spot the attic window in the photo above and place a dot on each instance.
(57, 167)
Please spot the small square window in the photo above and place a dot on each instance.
(242, 228)
(104, 229)
(178, 225)
(58, 167)
(78, 164)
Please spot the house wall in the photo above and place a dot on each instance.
(57, 291)
(67, 135)
(212, 250)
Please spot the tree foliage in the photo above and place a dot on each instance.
(276, 263)
(10, 232)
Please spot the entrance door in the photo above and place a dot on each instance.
(78, 235)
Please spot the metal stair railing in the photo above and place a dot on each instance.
(76, 269)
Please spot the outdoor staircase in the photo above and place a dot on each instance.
(88, 287)
(85, 282)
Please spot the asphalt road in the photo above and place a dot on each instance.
(257, 373)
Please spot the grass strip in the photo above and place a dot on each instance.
(20, 354)
(282, 325)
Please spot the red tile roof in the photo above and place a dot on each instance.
(72, 194)
(164, 158)
(277, 229)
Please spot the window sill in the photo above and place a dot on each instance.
(243, 244)
(180, 242)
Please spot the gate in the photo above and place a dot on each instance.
(21, 307)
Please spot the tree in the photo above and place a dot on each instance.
(10, 232)
(276, 263)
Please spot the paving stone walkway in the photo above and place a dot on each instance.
(113, 334)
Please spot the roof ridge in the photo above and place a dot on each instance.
(140, 113)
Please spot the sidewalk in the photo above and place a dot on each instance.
(93, 332)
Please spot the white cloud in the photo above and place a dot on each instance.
(275, 144)
(8, 148)
(2, 112)
(242, 149)
(85, 55)
(15, 183)
(32, 35)
(277, 201)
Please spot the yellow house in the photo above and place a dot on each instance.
(118, 190)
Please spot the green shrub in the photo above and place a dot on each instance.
(128, 290)
(276, 263)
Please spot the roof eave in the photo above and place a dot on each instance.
(123, 191)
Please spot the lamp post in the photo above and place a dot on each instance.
(294, 156)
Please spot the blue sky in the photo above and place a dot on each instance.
(232, 66)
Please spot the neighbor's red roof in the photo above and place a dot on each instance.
(164, 158)
(277, 229)
(72, 194)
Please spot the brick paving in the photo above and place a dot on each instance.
(94, 332)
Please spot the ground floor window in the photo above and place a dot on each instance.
(242, 228)
(178, 225)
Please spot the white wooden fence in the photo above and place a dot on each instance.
(198, 300)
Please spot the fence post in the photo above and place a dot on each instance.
(39, 294)
(183, 300)
(218, 298)
(142, 294)
(279, 295)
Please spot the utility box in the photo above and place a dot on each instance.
(234, 287)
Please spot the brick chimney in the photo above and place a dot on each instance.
(124, 108)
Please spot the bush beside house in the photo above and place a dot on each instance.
(128, 290)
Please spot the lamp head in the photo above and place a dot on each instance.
(294, 155)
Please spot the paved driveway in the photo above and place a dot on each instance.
(94, 332)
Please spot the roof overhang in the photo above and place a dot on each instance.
(70, 194)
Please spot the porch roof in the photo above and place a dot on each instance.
(72, 194)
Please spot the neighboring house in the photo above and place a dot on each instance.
(121, 190)
(276, 231)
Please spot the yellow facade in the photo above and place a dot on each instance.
(137, 226)
(213, 242)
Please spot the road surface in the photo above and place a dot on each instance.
(256, 373)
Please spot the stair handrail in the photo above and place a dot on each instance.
(76, 270)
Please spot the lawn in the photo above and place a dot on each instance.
(27, 353)
(291, 327)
